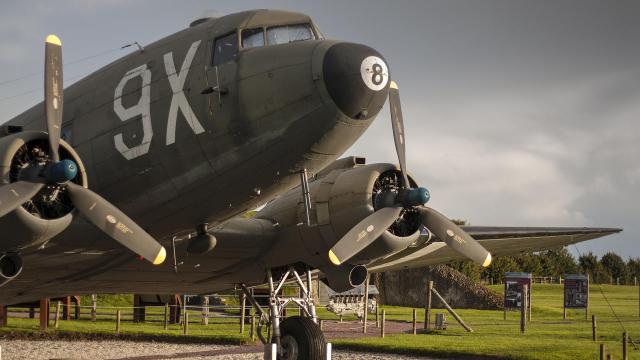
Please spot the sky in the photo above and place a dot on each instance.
(519, 113)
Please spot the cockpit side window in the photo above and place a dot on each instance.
(252, 38)
(289, 33)
(225, 49)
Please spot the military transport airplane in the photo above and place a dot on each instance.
(166, 148)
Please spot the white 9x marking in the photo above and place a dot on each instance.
(179, 102)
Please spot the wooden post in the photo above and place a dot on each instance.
(505, 302)
(366, 305)
(57, 318)
(564, 304)
(94, 306)
(186, 323)
(603, 352)
(608, 356)
(586, 308)
(451, 311)
(427, 307)
(321, 323)
(205, 311)
(529, 300)
(166, 316)
(340, 318)
(4, 315)
(415, 324)
(44, 314)
(625, 353)
(67, 308)
(118, 318)
(382, 325)
(253, 328)
(594, 328)
(243, 307)
(523, 308)
(377, 318)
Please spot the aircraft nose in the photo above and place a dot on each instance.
(357, 79)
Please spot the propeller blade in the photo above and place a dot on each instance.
(397, 123)
(454, 236)
(363, 234)
(53, 92)
(15, 194)
(116, 224)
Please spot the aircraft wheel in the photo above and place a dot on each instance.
(301, 339)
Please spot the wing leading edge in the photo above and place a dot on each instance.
(499, 241)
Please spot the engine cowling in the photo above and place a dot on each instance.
(50, 211)
(340, 199)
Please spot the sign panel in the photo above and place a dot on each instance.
(513, 282)
(576, 291)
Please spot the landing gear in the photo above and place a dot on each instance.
(297, 337)
(301, 339)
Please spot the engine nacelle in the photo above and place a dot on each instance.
(340, 199)
(10, 267)
(50, 211)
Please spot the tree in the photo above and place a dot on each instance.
(498, 267)
(557, 262)
(530, 262)
(588, 263)
(614, 264)
(468, 268)
(633, 268)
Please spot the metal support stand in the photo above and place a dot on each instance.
(278, 302)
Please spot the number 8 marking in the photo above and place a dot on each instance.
(374, 73)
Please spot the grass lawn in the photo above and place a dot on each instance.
(548, 336)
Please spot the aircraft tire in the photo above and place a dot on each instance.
(302, 339)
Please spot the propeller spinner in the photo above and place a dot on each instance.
(370, 228)
(93, 207)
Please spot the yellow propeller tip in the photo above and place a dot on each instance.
(52, 39)
(487, 261)
(333, 258)
(394, 85)
(162, 255)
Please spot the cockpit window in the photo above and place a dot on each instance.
(289, 33)
(252, 38)
(225, 49)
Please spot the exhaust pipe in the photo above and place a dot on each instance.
(344, 277)
(10, 267)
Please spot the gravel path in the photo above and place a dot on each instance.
(130, 350)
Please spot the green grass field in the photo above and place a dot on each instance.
(548, 336)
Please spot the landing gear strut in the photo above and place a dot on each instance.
(297, 337)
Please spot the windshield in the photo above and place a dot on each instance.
(289, 33)
(252, 38)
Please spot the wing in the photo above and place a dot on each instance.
(498, 240)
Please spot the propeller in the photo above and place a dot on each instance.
(359, 237)
(92, 206)
(363, 234)
(53, 92)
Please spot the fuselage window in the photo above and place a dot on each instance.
(252, 38)
(225, 49)
(289, 33)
